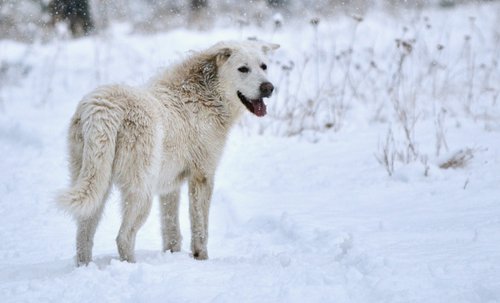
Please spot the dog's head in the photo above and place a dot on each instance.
(242, 71)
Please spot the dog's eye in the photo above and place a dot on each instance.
(263, 66)
(244, 69)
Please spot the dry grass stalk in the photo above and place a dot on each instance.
(458, 159)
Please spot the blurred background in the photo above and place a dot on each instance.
(36, 19)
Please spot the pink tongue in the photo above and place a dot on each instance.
(259, 108)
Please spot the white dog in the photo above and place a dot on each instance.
(150, 140)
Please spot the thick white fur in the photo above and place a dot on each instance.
(150, 140)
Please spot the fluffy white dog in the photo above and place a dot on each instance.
(150, 140)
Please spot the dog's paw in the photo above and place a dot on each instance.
(82, 263)
(200, 255)
(173, 246)
(82, 259)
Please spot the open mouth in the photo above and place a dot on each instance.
(256, 106)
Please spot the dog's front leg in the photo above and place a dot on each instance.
(171, 231)
(200, 193)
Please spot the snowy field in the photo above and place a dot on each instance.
(302, 209)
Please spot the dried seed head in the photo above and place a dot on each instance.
(406, 45)
(357, 18)
(278, 20)
(278, 24)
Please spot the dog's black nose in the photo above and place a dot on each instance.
(266, 89)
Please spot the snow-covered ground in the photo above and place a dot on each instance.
(308, 218)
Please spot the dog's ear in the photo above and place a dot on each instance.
(222, 55)
(268, 47)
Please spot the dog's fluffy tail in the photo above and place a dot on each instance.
(99, 121)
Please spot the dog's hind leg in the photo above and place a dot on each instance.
(170, 229)
(85, 235)
(136, 208)
(87, 227)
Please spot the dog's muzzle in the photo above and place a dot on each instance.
(266, 89)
